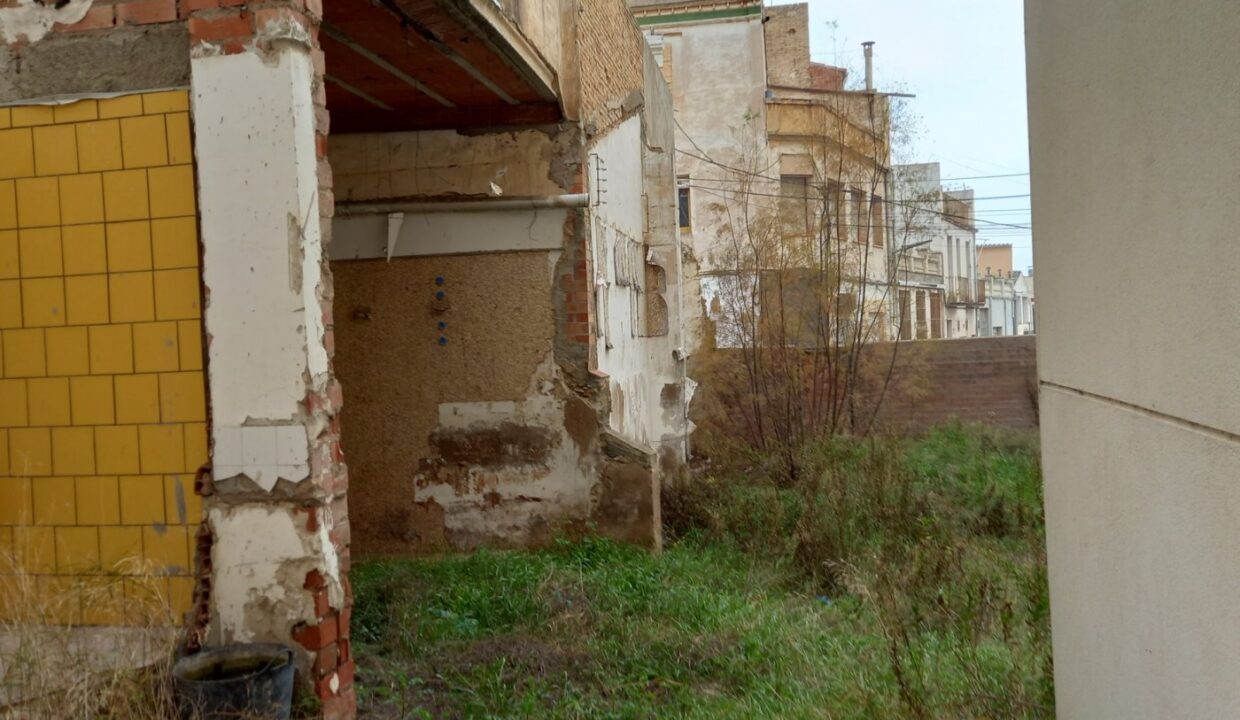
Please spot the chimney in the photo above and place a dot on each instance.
(869, 65)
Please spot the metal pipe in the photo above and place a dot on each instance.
(574, 200)
(869, 65)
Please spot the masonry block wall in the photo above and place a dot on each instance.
(992, 381)
(102, 404)
(610, 49)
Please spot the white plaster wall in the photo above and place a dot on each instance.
(637, 365)
(258, 194)
(450, 233)
(719, 78)
(1134, 120)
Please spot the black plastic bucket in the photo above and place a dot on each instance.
(235, 681)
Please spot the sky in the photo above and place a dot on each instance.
(965, 62)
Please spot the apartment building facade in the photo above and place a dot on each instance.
(1008, 293)
(936, 250)
(765, 136)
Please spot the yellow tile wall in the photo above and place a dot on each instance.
(102, 394)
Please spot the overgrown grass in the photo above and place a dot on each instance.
(894, 579)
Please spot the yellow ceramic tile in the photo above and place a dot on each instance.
(8, 204)
(15, 503)
(142, 499)
(130, 297)
(85, 249)
(33, 115)
(190, 335)
(165, 102)
(175, 242)
(24, 354)
(137, 399)
(60, 600)
(77, 549)
(180, 149)
(4, 450)
(176, 294)
(30, 452)
(182, 505)
(172, 191)
(124, 196)
(10, 304)
(129, 246)
(118, 547)
(73, 451)
(91, 400)
(54, 503)
(144, 142)
(155, 347)
(43, 302)
(181, 594)
(79, 111)
(55, 150)
(35, 548)
(166, 546)
(196, 453)
(86, 299)
(10, 265)
(99, 146)
(98, 500)
(122, 106)
(16, 153)
(81, 199)
(116, 450)
(49, 401)
(38, 202)
(40, 252)
(67, 352)
(162, 448)
(13, 406)
(6, 118)
(182, 397)
(103, 599)
(111, 350)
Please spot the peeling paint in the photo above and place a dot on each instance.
(30, 20)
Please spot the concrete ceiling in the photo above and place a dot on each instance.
(427, 64)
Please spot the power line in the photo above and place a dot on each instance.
(948, 216)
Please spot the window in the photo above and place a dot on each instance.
(861, 216)
(683, 204)
(794, 209)
(877, 221)
(835, 212)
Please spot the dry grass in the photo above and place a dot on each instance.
(51, 667)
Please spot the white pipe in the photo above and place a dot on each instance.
(574, 200)
(869, 65)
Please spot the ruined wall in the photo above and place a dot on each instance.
(474, 418)
(610, 50)
(271, 556)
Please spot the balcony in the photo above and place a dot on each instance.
(962, 292)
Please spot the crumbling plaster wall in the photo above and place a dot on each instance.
(473, 418)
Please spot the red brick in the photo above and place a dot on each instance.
(345, 672)
(145, 12)
(322, 608)
(317, 637)
(226, 26)
(326, 660)
(343, 620)
(99, 16)
(315, 581)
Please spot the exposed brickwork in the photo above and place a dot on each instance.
(786, 36)
(609, 47)
(986, 380)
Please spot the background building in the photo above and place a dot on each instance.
(1008, 294)
(1134, 109)
(936, 243)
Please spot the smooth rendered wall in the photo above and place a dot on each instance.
(1135, 150)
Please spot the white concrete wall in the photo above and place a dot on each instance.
(1135, 147)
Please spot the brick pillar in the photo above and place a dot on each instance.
(277, 518)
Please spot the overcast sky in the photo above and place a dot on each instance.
(965, 61)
